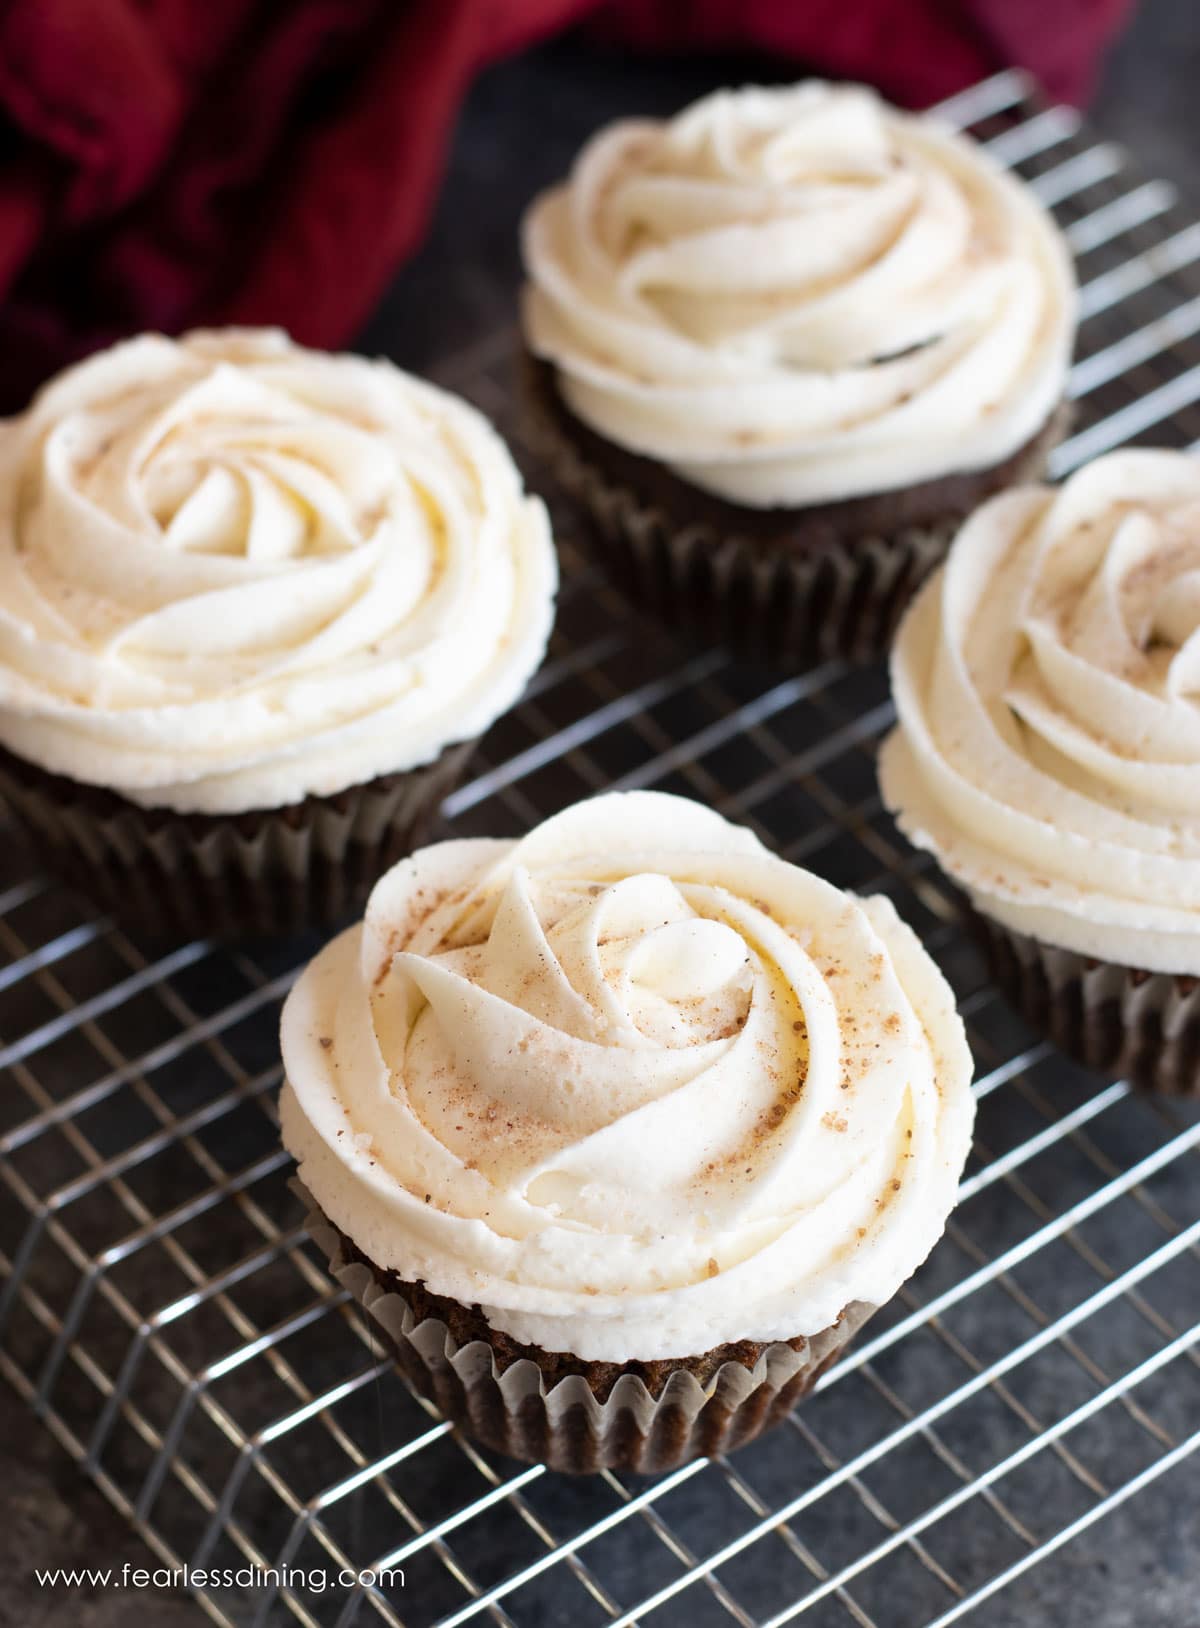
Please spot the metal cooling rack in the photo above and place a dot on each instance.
(162, 1312)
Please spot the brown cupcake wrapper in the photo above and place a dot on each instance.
(266, 872)
(513, 1407)
(1142, 1025)
(784, 605)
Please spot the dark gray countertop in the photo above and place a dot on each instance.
(457, 288)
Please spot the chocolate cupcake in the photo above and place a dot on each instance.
(779, 346)
(256, 602)
(620, 1132)
(1047, 682)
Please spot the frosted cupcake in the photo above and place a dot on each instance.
(779, 346)
(255, 604)
(1048, 753)
(620, 1132)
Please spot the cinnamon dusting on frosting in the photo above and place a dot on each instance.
(235, 573)
(799, 294)
(1047, 682)
(612, 1078)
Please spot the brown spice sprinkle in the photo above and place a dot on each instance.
(713, 1268)
(326, 1040)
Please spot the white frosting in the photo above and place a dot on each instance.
(797, 295)
(234, 573)
(1048, 687)
(633, 1085)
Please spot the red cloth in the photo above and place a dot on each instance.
(174, 162)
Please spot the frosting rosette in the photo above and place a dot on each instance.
(632, 1085)
(797, 295)
(1048, 688)
(235, 573)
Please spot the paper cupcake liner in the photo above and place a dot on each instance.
(786, 606)
(266, 872)
(1142, 1025)
(587, 1420)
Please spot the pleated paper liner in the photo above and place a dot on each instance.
(786, 588)
(261, 873)
(1142, 1025)
(646, 1417)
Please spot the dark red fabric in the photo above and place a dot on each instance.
(173, 162)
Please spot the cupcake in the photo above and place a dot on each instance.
(779, 346)
(621, 1131)
(1047, 753)
(255, 604)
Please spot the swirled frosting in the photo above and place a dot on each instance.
(1048, 687)
(632, 1085)
(797, 295)
(234, 573)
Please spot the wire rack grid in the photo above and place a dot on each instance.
(162, 1312)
